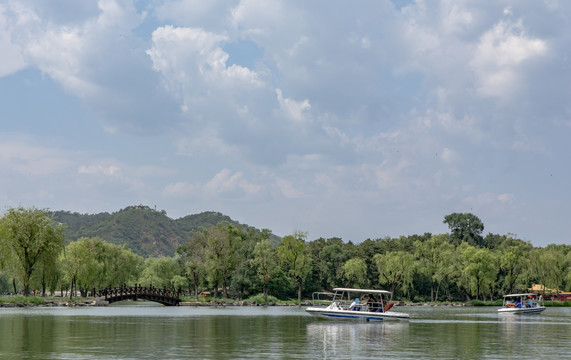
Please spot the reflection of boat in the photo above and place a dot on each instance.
(366, 305)
(521, 304)
(343, 339)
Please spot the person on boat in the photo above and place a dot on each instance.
(355, 305)
(529, 302)
(372, 303)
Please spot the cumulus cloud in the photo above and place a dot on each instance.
(294, 110)
(224, 182)
(193, 65)
(499, 53)
(97, 58)
(330, 109)
(12, 59)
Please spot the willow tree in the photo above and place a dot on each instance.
(94, 263)
(355, 271)
(513, 262)
(265, 262)
(193, 258)
(295, 258)
(396, 268)
(222, 242)
(82, 264)
(29, 238)
(434, 260)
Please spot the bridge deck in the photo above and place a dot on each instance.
(150, 293)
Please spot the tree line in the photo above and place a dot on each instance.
(234, 262)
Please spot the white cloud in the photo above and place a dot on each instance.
(499, 53)
(181, 189)
(224, 182)
(11, 60)
(450, 156)
(294, 110)
(206, 143)
(313, 113)
(100, 170)
(193, 67)
(287, 189)
(66, 51)
(212, 13)
(23, 156)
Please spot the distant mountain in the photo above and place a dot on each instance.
(146, 231)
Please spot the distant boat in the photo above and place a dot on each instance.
(355, 304)
(521, 304)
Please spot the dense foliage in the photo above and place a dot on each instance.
(232, 261)
(30, 243)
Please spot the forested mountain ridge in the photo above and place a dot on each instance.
(146, 231)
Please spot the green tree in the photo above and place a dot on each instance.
(90, 263)
(538, 267)
(294, 256)
(265, 261)
(355, 271)
(557, 265)
(81, 264)
(396, 269)
(193, 257)
(478, 271)
(29, 238)
(465, 227)
(514, 261)
(434, 261)
(121, 264)
(568, 273)
(329, 256)
(244, 277)
(160, 273)
(221, 244)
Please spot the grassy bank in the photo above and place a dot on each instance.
(38, 300)
(15, 299)
(256, 299)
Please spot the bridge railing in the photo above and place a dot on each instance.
(122, 290)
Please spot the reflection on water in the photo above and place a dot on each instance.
(138, 332)
(348, 339)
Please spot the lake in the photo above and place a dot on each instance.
(156, 332)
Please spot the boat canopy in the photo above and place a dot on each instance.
(517, 295)
(369, 291)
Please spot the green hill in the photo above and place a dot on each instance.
(146, 231)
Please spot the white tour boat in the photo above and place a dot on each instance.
(355, 304)
(521, 304)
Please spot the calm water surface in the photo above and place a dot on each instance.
(155, 332)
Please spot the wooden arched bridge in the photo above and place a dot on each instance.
(150, 293)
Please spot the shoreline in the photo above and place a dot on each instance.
(34, 301)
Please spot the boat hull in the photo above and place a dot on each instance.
(334, 314)
(516, 311)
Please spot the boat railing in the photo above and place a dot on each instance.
(524, 301)
(364, 306)
(321, 298)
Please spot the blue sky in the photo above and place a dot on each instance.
(361, 120)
